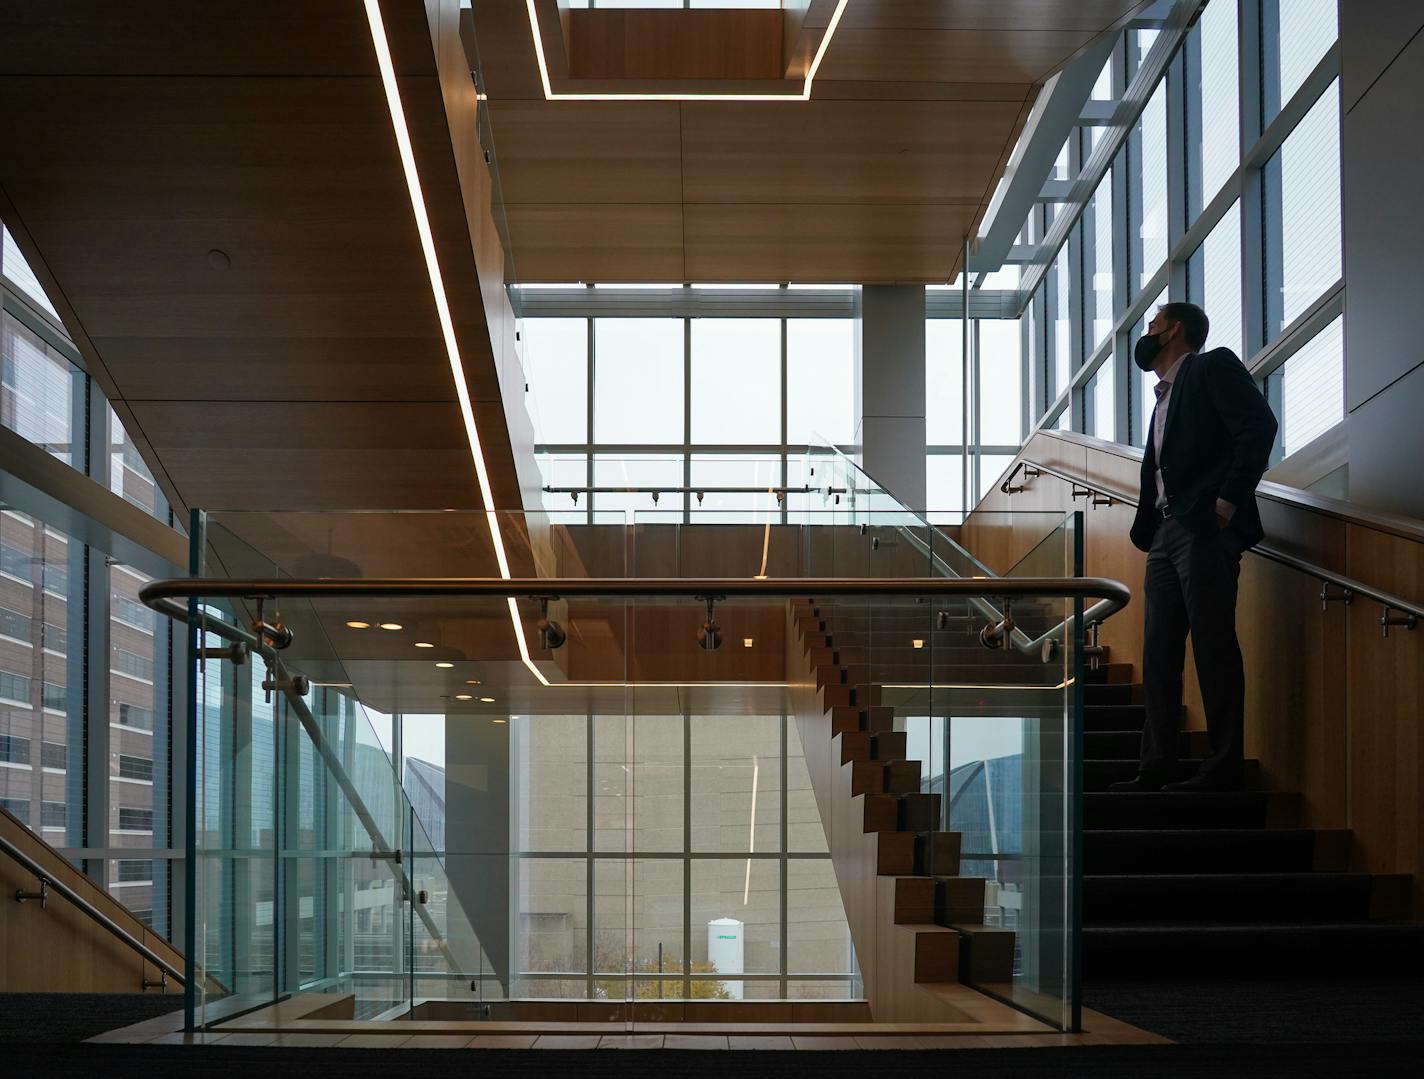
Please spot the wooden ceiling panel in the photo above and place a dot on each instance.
(597, 242)
(844, 151)
(899, 55)
(586, 151)
(506, 50)
(1016, 15)
(157, 37)
(824, 243)
(917, 104)
(312, 455)
(254, 366)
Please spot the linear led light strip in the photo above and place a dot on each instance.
(804, 95)
(442, 307)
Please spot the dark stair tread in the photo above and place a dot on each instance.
(1270, 950)
(1173, 851)
(1197, 809)
(1222, 929)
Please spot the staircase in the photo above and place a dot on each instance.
(1220, 884)
(1174, 885)
(916, 922)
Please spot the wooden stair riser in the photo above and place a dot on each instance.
(986, 954)
(959, 900)
(936, 955)
(895, 854)
(937, 853)
(884, 777)
(854, 696)
(914, 900)
(875, 720)
(866, 746)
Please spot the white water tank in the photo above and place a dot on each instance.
(726, 951)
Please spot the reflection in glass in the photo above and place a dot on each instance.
(1000, 382)
(944, 381)
(736, 380)
(637, 380)
(556, 363)
(1147, 191)
(37, 390)
(1302, 206)
(1213, 129)
(1308, 390)
(1214, 279)
(820, 373)
(1297, 34)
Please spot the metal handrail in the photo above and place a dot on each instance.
(1045, 643)
(49, 882)
(159, 595)
(1350, 587)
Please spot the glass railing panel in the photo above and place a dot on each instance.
(236, 848)
(630, 801)
(1012, 756)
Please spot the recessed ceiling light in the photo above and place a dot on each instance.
(487, 700)
(359, 625)
(917, 643)
(747, 642)
(392, 625)
(499, 721)
(463, 697)
(472, 681)
(423, 644)
(444, 663)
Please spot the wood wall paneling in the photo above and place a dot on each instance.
(825, 243)
(675, 44)
(929, 55)
(1011, 15)
(843, 151)
(58, 948)
(1333, 710)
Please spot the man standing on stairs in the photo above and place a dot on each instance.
(1209, 443)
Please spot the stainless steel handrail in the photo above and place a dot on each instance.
(1350, 586)
(1045, 643)
(50, 882)
(159, 594)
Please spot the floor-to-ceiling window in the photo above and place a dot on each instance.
(86, 670)
(1224, 185)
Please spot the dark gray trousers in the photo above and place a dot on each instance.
(1191, 587)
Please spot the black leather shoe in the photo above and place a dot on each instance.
(1136, 786)
(1205, 781)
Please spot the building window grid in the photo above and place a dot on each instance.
(1233, 189)
(590, 463)
(85, 815)
(688, 858)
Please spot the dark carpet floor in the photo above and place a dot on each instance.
(1276, 1012)
(73, 1017)
(1105, 1062)
(1258, 1029)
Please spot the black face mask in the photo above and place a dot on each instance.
(1144, 353)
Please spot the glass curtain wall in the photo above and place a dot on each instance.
(725, 839)
(86, 742)
(645, 404)
(1226, 192)
(652, 403)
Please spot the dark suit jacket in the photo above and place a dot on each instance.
(1217, 444)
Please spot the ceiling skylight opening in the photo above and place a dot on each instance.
(804, 95)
